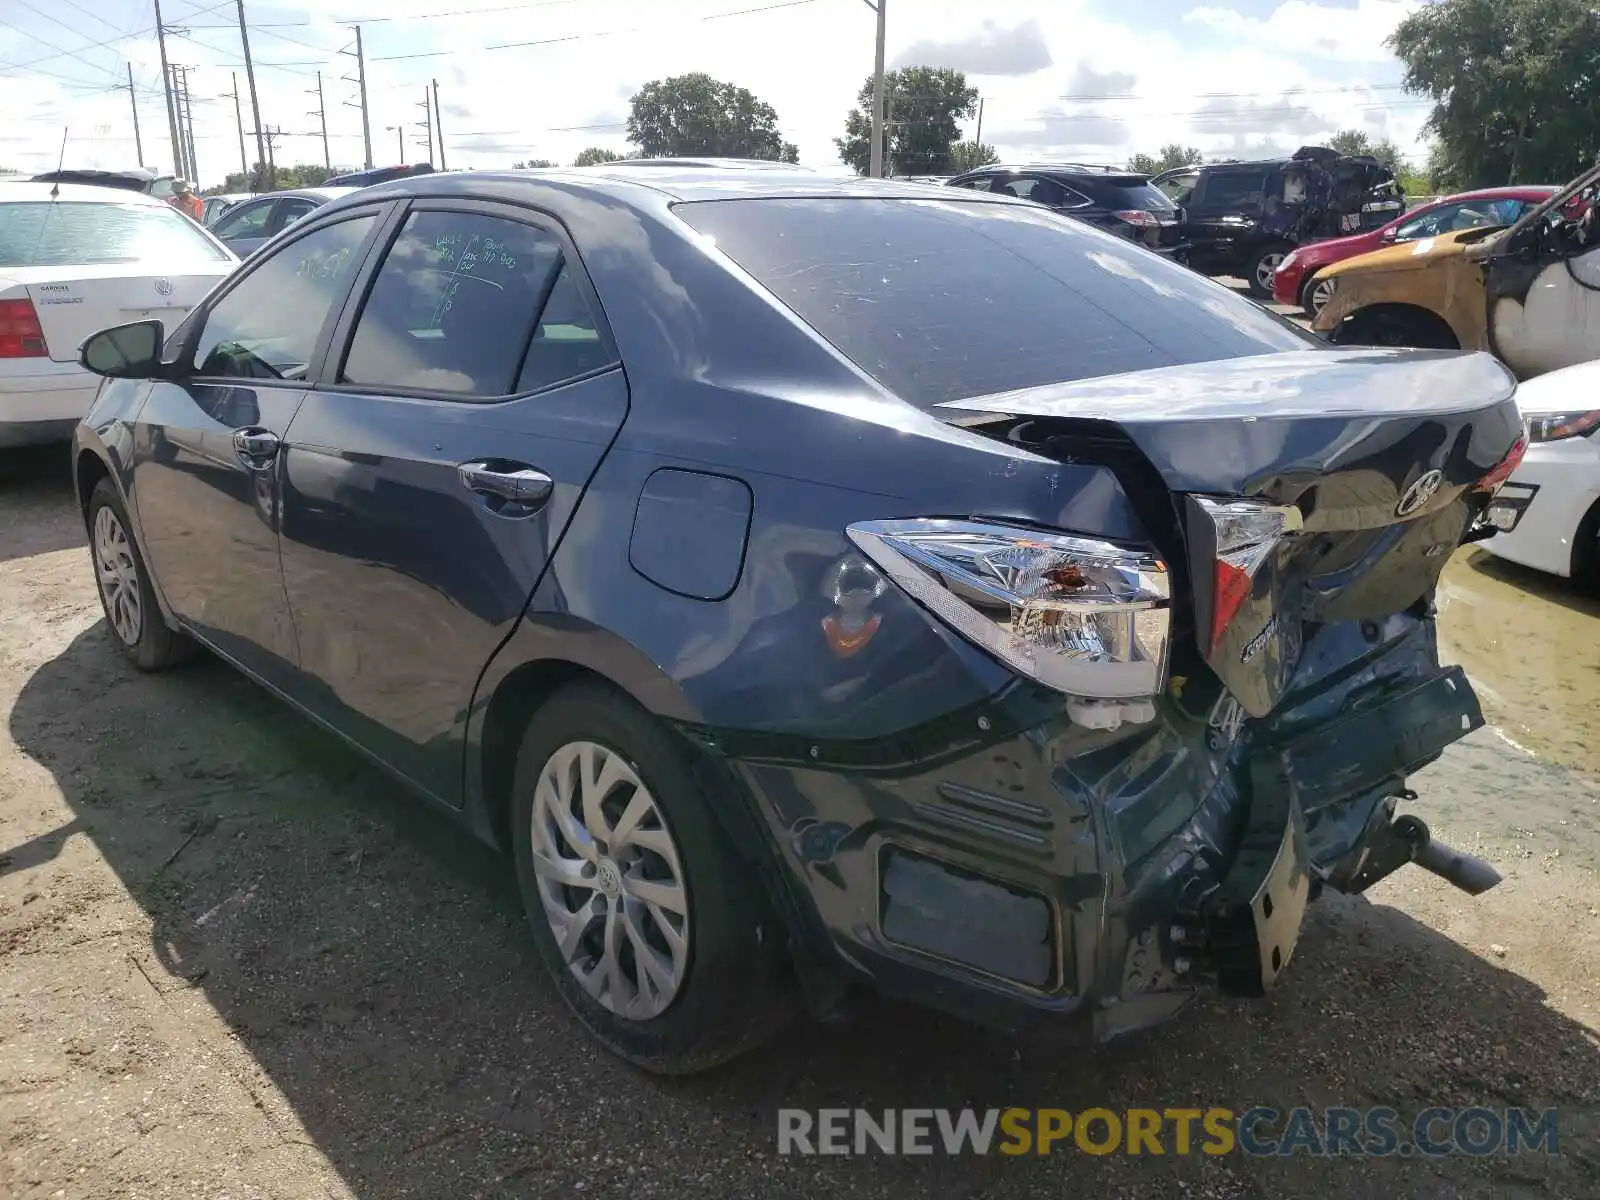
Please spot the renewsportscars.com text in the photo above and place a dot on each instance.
(1259, 1131)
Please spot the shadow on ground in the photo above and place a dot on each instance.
(372, 960)
(35, 481)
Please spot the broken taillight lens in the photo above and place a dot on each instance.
(1086, 617)
(21, 336)
(1504, 469)
(1246, 534)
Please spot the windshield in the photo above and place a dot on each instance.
(947, 299)
(59, 233)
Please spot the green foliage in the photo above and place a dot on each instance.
(1515, 86)
(529, 164)
(967, 156)
(595, 155)
(302, 176)
(1172, 155)
(1358, 141)
(921, 108)
(695, 115)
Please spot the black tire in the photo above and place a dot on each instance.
(154, 645)
(1395, 327)
(1260, 259)
(737, 988)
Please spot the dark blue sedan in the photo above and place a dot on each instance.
(815, 583)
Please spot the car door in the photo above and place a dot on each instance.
(246, 227)
(1226, 208)
(206, 468)
(430, 473)
(1542, 283)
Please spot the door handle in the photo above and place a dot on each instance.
(510, 482)
(254, 442)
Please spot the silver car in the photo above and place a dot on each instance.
(249, 225)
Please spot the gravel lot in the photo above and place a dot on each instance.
(236, 961)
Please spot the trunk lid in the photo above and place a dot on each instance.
(1289, 489)
(74, 302)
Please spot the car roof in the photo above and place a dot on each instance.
(1068, 168)
(77, 193)
(1516, 190)
(668, 184)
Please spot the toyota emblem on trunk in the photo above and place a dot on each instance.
(1419, 493)
(163, 287)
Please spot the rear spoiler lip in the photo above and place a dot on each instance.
(1294, 384)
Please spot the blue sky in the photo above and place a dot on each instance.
(1086, 79)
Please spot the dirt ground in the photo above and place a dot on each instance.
(236, 962)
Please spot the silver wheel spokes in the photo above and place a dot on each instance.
(1321, 293)
(610, 880)
(118, 577)
(1267, 268)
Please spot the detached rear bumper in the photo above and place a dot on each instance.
(1016, 869)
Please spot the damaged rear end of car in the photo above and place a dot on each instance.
(1218, 639)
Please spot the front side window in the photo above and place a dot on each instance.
(290, 211)
(452, 308)
(1225, 190)
(248, 220)
(267, 326)
(65, 233)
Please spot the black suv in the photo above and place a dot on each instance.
(1109, 198)
(1242, 218)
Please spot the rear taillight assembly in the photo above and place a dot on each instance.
(1085, 617)
(1245, 534)
(1136, 216)
(1504, 468)
(21, 335)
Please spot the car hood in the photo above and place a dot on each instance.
(1410, 256)
(1335, 249)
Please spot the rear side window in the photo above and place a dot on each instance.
(1222, 190)
(1138, 195)
(948, 299)
(73, 233)
(453, 309)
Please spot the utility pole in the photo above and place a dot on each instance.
(438, 128)
(360, 81)
(875, 157)
(400, 138)
(978, 137)
(426, 124)
(133, 99)
(189, 168)
(250, 78)
(238, 120)
(322, 115)
(166, 86)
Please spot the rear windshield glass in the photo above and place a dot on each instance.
(948, 299)
(74, 233)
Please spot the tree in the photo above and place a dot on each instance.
(968, 156)
(921, 108)
(301, 176)
(1172, 155)
(689, 115)
(531, 163)
(595, 154)
(1514, 83)
(1358, 141)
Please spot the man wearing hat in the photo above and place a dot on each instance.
(185, 201)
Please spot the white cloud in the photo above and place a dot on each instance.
(1213, 77)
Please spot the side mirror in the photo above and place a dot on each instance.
(130, 351)
(1387, 235)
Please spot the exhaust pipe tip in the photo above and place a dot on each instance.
(1466, 871)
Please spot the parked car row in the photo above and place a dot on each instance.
(611, 510)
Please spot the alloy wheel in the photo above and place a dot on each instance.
(118, 577)
(611, 880)
(1321, 293)
(1266, 267)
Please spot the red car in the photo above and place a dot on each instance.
(1296, 279)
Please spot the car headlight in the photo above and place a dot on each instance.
(1556, 426)
(1289, 260)
(1086, 617)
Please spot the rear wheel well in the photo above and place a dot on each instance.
(1396, 325)
(1586, 547)
(90, 469)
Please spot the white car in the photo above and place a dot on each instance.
(1548, 512)
(75, 259)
